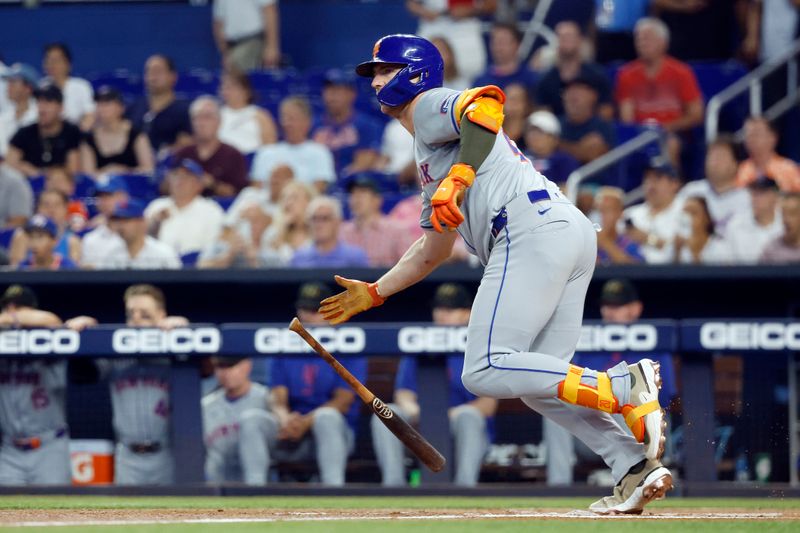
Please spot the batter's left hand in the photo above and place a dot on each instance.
(446, 201)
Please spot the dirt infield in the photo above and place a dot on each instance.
(73, 517)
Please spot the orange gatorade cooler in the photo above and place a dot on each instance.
(92, 461)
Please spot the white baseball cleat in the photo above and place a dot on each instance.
(636, 490)
(644, 414)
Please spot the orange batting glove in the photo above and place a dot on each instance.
(448, 197)
(358, 297)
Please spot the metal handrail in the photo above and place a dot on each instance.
(753, 82)
(625, 149)
(535, 28)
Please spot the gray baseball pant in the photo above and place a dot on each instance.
(131, 468)
(46, 465)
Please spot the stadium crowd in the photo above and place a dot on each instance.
(96, 177)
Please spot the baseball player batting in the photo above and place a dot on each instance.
(539, 253)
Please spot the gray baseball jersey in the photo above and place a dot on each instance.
(504, 175)
(232, 452)
(539, 253)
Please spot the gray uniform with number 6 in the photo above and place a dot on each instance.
(35, 446)
(539, 253)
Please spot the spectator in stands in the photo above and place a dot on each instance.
(786, 248)
(760, 140)
(78, 94)
(654, 223)
(137, 250)
(584, 134)
(470, 416)
(614, 246)
(244, 125)
(542, 138)
(700, 31)
(459, 21)
(185, 220)
(619, 304)
(750, 230)
(697, 241)
(312, 161)
(453, 79)
(224, 167)
(614, 22)
(160, 114)
(58, 179)
(96, 245)
(22, 80)
(397, 154)
(35, 447)
(506, 66)
(42, 235)
(140, 394)
(49, 142)
(257, 206)
(247, 33)
(327, 248)
(239, 428)
(54, 206)
(315, 407)
(16, 198)
(291, 230)
(516, 109)
(725, 200)
(570, 64)
(229, 250)
(771, 28)
(384, 241)
(114, 145)
(657, 88)
(352, 137)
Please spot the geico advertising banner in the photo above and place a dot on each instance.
(740, 335)
(276, 339)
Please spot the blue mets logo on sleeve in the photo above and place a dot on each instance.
(445, 106)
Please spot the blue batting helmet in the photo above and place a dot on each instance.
(423, 67)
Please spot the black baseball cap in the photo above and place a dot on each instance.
(20, 295)
(106, 93)
(49, 92)
(363, 180)
(661, 166)
(227, 362)
(452, 296)
(763, 183)
(618, 292)
(581, 80)
(311, 294)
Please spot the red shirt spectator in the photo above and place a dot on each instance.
(656, 86)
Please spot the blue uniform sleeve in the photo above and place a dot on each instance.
(406, 377)
(434, 117)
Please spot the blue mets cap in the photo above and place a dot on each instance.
(41, 223)
(111, 184)
(189, 164)
(337, 76)
(24, 72)
(131, 209)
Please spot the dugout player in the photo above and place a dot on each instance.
(140, 395)
(539, 253)
(35, 444)
(314, 405)
(468, 414)
(238, 426)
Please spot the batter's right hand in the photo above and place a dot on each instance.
(358, 297)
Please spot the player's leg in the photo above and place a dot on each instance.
(333, 440)
(468, 427)
(560, 452)
(12, 465)
(258, 432)
(389, 451)
(50, 464)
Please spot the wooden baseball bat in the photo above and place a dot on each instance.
(409, 436)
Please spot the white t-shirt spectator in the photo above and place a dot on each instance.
(397, 145)
(663, 225)
(717, 251)
(78, 99)
(9, 124)
(154, 255)
(189, 229)
(722, 207)
(748, 239)
(240, 128)
(311, 161)
(97, 244)
(240, 18)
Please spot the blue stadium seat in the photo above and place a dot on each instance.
(224, 201)
(141, 186)
(249, 158)
(84, 186)
(190, 259)
(37, 184)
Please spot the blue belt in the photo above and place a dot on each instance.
(499, 222)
